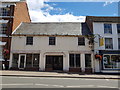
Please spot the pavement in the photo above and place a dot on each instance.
(56, 74)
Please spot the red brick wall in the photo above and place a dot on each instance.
(21, 14)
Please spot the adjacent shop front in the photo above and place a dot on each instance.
(111, 60)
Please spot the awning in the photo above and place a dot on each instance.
(2, 43)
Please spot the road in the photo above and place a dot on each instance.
(46, 82)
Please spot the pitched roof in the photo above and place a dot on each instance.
(112, 19)
(49, 28)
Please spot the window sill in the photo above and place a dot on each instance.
(108, 33)
(108, 49)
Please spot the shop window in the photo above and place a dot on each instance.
(52, 40)
(81, 41)
(118, 28)
(1, 55)
(29, 40)
(49, 61)
(111, 61)
(87, 60)
(32, 60)
(74, 60)
(107, 28)
(118, 43)
(108, 43)
(36, 60)
(15, 60)
(106, 61)
(29, 60)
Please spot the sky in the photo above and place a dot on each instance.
(71, 10)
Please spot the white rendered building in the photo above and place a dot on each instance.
(106, 42)
(50, 47)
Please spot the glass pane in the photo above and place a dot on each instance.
(81, 41)
(15, 60)
(77, 60)
(22, 59)
(113, 61)
(71, 58)
(118, 62)
(118, 43)
(87, 60)
(49, 61)
(29, 41)
(106, 61)
(36, 60)
(29, 60)
(51, 40)
(108, 28)
(118, 28)
(108, 43)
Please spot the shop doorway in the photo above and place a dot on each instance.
(54, 62)
(22, 59)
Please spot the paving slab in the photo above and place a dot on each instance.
(56, 74)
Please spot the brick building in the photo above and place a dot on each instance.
(11, 15)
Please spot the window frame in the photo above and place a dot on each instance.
(29, 40)
(74, 59)
(110, 61)
(15, 60)
(5, 11)
(31, 62)
(4, 27)
(81, 41)
(107, 28)
(86, 61)
(52, 40)
(118, 43)
(110, 45)
(118, 28)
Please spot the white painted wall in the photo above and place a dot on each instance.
(42, 43)
(98, 28)
(64, 46)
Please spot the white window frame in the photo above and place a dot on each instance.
(20, 61)
(109, 44)
(108, 30)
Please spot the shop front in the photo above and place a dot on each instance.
(27, 61)
(111, 61)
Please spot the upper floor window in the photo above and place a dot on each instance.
(74, 60)
(118, 28)
(52, 40)
(108, 43)
(29, 40)
(107, 28)
(4, 11)
(81, 41)
(118, 43)
(3, 27)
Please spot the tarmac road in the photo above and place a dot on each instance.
(51, 82)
